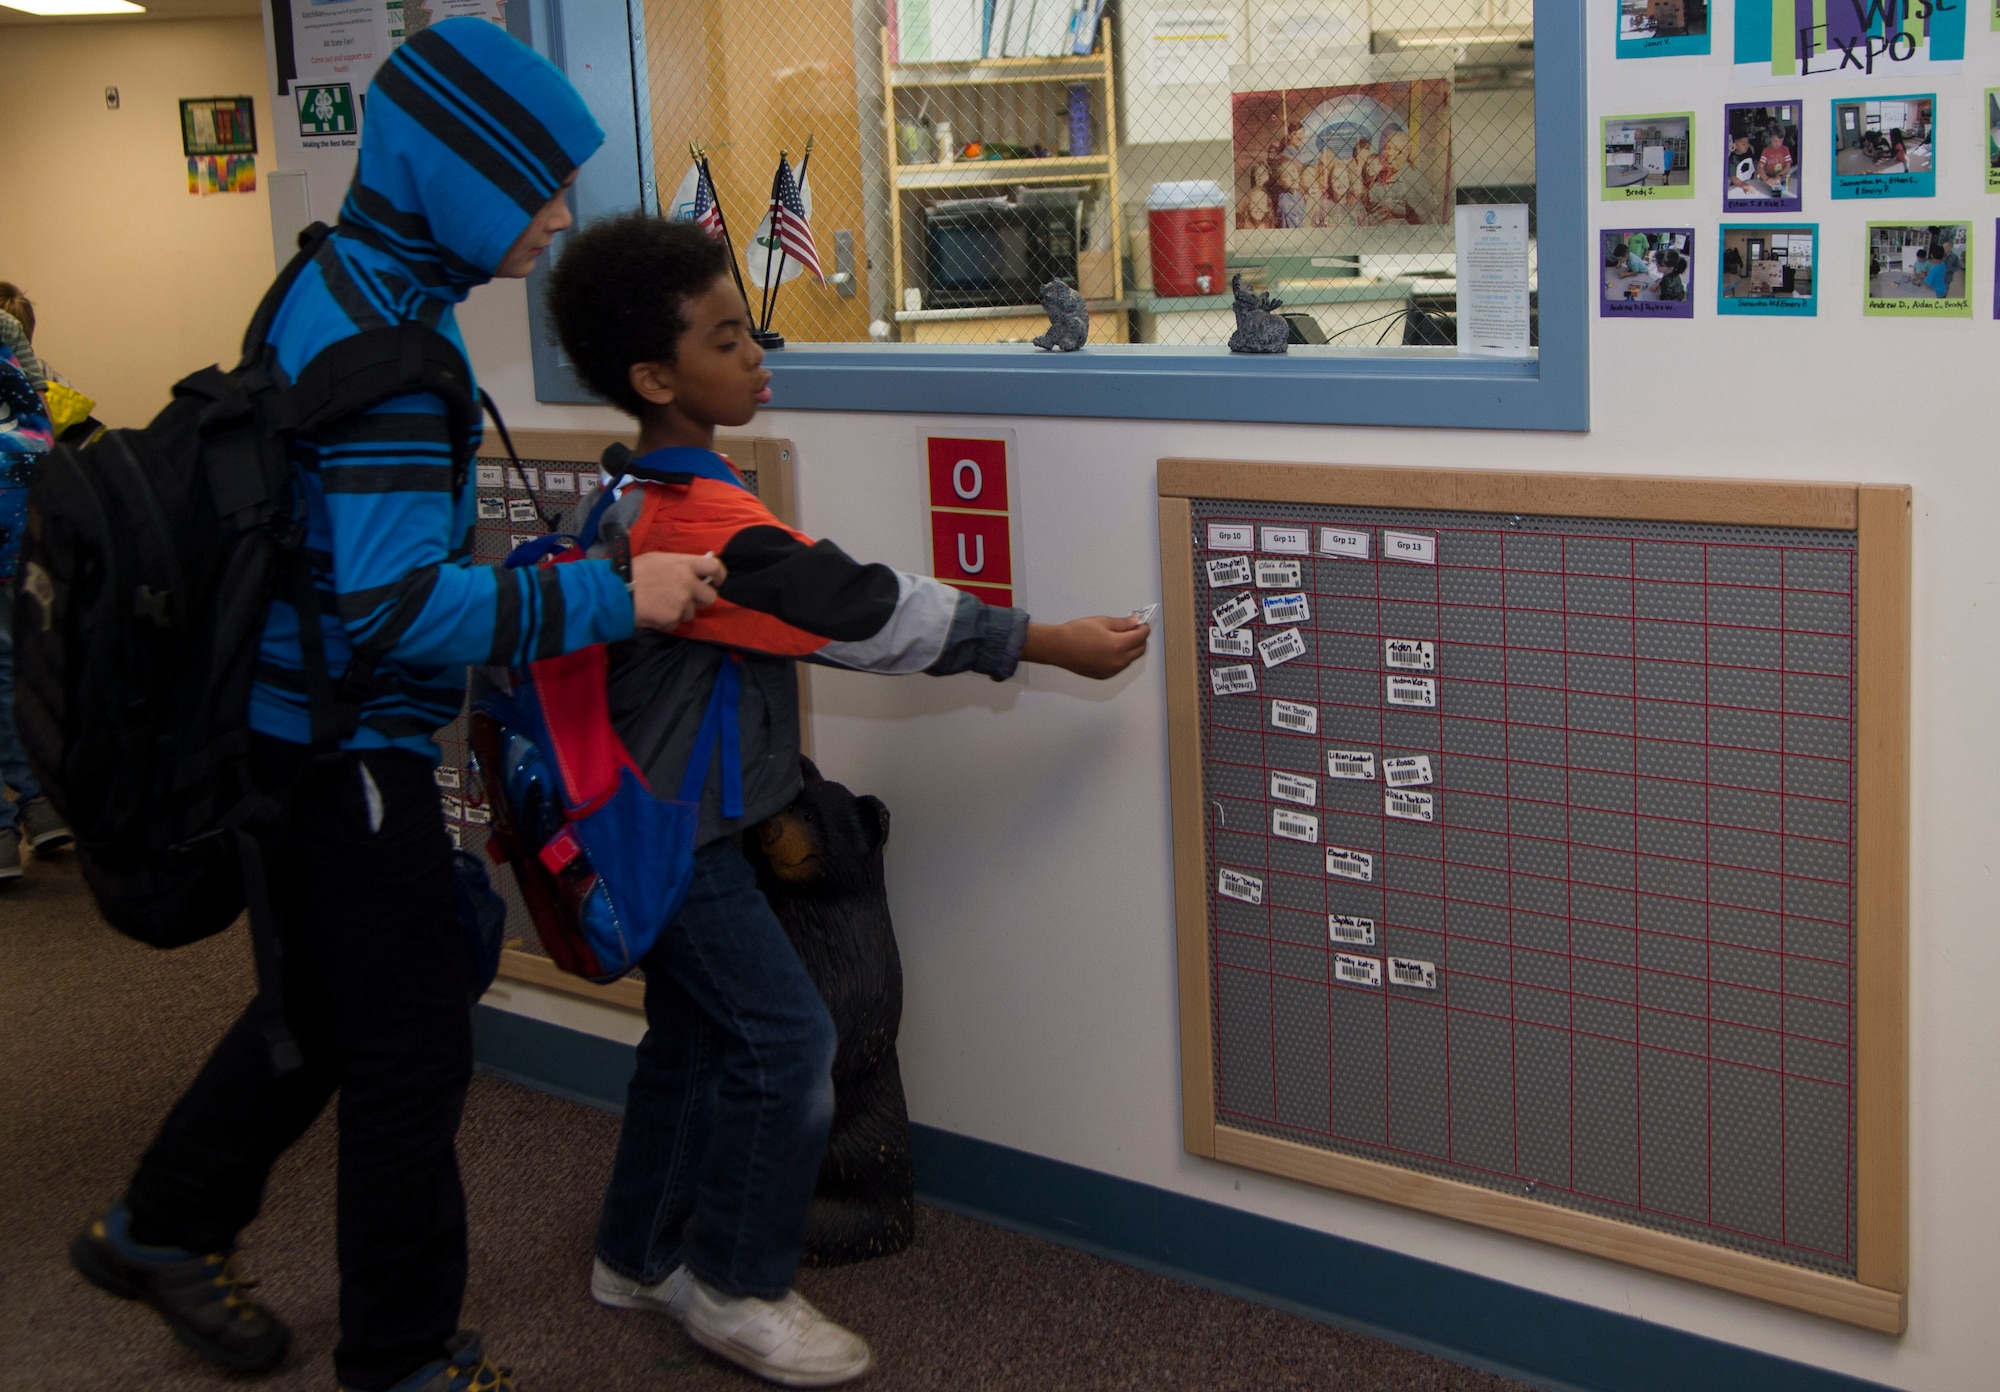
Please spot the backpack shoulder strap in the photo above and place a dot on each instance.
(310, 241)
(376, 365)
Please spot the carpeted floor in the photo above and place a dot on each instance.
(99, 1034)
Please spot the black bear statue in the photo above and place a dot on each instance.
(819, 863)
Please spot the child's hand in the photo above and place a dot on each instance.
(668, 587)
(1096, 647)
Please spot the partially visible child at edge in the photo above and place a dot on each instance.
(728, 1111)
(24, 438)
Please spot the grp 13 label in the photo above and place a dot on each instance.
(1409, 546)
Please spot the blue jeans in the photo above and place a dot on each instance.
(727, 1115)
(14, 770)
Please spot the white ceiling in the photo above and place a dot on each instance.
(155, 10)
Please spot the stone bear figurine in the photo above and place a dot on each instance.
(819, 863)
(1259, 328)
(1069, 318)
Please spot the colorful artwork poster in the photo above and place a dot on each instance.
(1648, 156)
(1763, 157)
(1377, 154)
(1805, 39)
(218, 126)
(1663, 28)
(222, 174)
(1885, 147)
(1919, 270)
(1646, 273)
(1769, 270)
(1993, 135)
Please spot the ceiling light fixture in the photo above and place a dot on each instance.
(63, 9)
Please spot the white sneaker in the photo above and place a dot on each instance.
(785, 1341)
(669, 1297)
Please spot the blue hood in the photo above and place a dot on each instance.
(467, 133)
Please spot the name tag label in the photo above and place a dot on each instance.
(1420, 547)
(1291, 541)
(1339, 541)
(521, 510)
(478, 814)
(1281, 647)
(445, 776)
(1233, 681)
(1231, 536)
(1235, 613)
(1294, 716)
(1411, 771)
(1409, 807)
(1234, 884)
(1278, 575)
(1350, 865)
(1228, 570)
(1409, 971)
(1413, 691)
(1410, 654)
(1356, 971)
(1351, 929)
(492, 509)
(1294, 826)
(453, 808)
(1357, 764)
(1295, 787)
(1224, 642)
(1286, 609)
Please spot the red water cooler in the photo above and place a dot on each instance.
(1185, 222)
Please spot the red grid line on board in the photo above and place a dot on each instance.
(1324, 606)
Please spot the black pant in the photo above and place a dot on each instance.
(377, 974)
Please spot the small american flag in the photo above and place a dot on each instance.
(707, 211)
(789, 227)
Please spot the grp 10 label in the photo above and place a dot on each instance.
(969, 499)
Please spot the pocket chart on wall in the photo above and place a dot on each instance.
(1798, 40)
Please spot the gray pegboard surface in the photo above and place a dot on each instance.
(1613, 932)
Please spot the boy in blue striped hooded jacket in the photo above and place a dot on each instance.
(471, 143)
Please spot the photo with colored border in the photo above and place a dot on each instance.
(1919, 270)
(1768, 269)
(1662, 28)
(1993, 131)
(1885, 147)
(1647, 156)
(1763, 157)
(1645, 273)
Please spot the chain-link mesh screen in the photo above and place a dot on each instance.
(966, 153)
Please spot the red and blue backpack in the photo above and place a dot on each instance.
(602, 864)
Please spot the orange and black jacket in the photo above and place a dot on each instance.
(788, 597)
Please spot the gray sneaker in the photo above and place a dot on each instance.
(10, 855)
(43, 827)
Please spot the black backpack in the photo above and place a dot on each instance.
(148, 564)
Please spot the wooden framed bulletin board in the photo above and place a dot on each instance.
(560, 468)
(1541, 848)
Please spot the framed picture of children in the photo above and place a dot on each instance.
(1662, 28)
(1769, 270)
(1885, 147)
(1763, 158)
(1645, 273)
(1647, 156)
(1919, 270)
(1369, 155)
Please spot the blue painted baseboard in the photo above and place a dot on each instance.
(1472, 1319)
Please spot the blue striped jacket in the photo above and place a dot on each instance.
(468, 133)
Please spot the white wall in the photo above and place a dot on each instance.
(1029, 862)
(136, 282)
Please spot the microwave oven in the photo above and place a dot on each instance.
(995, 253)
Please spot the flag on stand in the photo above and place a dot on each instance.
(789, 224)
(695, 201)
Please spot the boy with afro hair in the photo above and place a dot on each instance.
(728, 1111)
